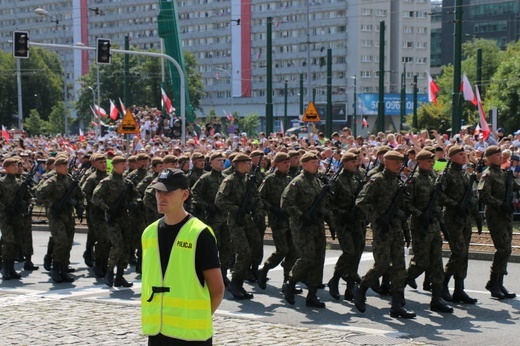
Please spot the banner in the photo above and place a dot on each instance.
(367, 103)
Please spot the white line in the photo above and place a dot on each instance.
(239, 314)
(390, 334)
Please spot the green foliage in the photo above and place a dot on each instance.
(248, 124)
(56, 123)
(432, 117)
(33, 123)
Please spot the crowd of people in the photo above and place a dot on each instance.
(410, 188)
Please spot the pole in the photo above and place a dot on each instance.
(328, 120)
(19, 92)
(354, 120)
(269, 88)
(285, 120)
(301, 93)
(456, 106)
(479, 69)
(65, 88)
(415, 105)
(403, 95)
(381, 103)
(308, 29)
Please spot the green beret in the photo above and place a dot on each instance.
(197, 156)
(156, 160)
(61, 160)
(429, 148)
(241, 158)
(256, 153)
(50, 161)
(425, 155)
(216, 155)
(279, 157)
(492, 150)
(348, 156)
(10, 161)
(383, 150)
(182, 159)
(356, 151)
(394, 155)
(132, 158)
(170, 159)
(309, 156)
(118, 159)
(97, 157)
(142, 157)
(293, 153)
(232, 156)
(455, 150)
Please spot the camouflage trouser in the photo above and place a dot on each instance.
(137, 219)
(501, 229)
(9, 243)
(284, 244)
(351, 238)
(24, 236)
(427, 255)
(460, 236)
(310, 246)
(388, 248)
(225, 249)
(91, 230)
(99, 232)
(119, 234)
(246, 244)
(62, 231)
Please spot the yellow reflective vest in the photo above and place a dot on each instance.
(177, 306)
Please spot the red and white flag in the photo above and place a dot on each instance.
(167, 103)
(466, 89)
(364, 123)
(433, 88)
(282, 130)
(100, 111)
(94, 123)
(81, 135)
(477, 130)
(483, 122)
(123, 108)
(229, 116)
(195, 138)
(114, 112)
(5, 134)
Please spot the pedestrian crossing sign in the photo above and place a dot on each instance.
(128, 125)
(311, 114)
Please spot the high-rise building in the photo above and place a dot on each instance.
(228, 38)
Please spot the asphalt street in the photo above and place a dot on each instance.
(35, 311)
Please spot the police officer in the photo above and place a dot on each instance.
(426, 235)
(492, 192)
(115, 195)
(60, 215)
(374, 200)
(271, 193)
(350, 225)
(307, 232)
(245, 239)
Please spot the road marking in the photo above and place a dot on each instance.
(367, 256)
(387, 333)
(239, 314)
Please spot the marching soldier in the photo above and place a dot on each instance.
(375, 200)
(458, 223)
(204, 192)
(245, 239)
(350, 225)
(115, 196)
(426, 235)
(294, 160)
(49, 172)
(132, 165)
(495, 191)
(230, 169)
(157, 167)
(97, 215)
(307, 232)
(24, 235)
(271, 193)
(197, 159)
(61, 215)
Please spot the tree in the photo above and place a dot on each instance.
(195, 85)
(249, 124)
(56, 123)
(34, 123)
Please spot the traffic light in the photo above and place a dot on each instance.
(21, 44)
(177, 128)
(103, 55)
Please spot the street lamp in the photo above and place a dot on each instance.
(230, 83)
(42, 12)
(354, 116)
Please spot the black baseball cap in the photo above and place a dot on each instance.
(171, 180)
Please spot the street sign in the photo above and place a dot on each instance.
(128, 125)
(311, 114)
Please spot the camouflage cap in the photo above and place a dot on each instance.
(279, 157)
(425, 155)
(309, 156)
(394, 155)
(118, 159)
(241, 158)
(492, 150)
(170, 159)
(455, 150)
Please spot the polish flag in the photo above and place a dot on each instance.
(282, 130)
(466, 89)
(364, 123)
(195, 138)
(94, 112)
(100, 111)
(94, 123)
(482, 114)
(433, 88)
(168, 104)
(477, 130)
(229, 116)
(114, 112)
(81, 135)
(5, 134)
(123, 108)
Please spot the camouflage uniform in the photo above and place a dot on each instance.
(97, 220)
(138, 217)
(24, 236)
(150, 213)
(47, 260)
(150, 202)
(194, 175)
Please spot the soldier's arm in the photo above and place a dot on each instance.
(288, 201)
(444, 199)
(409, 198)
(98, 196)
(364, 199)
(223, 198)
(484, 191)
(141, 187)
(263, 193)
(149, 198)
(198, 191)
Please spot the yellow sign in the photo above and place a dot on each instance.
(311, 113)
(128, 125)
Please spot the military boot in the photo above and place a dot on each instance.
(139, 265)
(224, 276)
(262, 277)
(6, 270)
(87, 256)
(360, 296)
(56, 273)
(98, 268)
(397, 309)
(459, 296)
(427, 283)
(506, 293)
(313, 300)
(297, 290)
(493, 286)
(28, 265)
(109, 276)
(349, 291)
(66, 277)
(445, 291)
(410, 279)
(47, 262)
(234, 289)
(386, 286)
(437, 304)
(246, 294)
(333, 285)
(288, 291)
(120, 281)
(14, 274)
